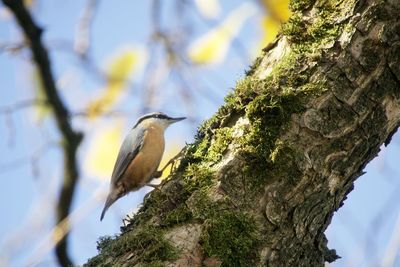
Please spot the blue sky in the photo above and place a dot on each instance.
(30, 161)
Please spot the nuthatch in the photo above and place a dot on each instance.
(139, 156)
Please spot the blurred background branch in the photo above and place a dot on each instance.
(71, 138)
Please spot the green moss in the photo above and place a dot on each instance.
(286, 73)
(99, 260)
(270, 103)
(253, 66)
(299, 5)
(212, 150)
(148, 245)
(285, 76)
(295, 27)
(246, 89)
(222, 138)
(202, 207)
(284, 158)
(103, 242)
(267, 114)
(208, 125)
(315, 89)
(214, 135)
(154, 264)
(158, 203)
(201, 148)
(176, 216)
(308, 35)
(231, 237)
(223, 117)
(197, 176)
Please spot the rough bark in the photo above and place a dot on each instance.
(266, 174)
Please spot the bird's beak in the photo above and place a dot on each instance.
(173, 120)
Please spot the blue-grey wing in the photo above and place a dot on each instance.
(128, 151)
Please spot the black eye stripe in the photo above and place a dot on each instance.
(157, 115)
(161, 116)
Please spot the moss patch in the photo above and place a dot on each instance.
(197, 176)
(308, 34)
(219, 145)
(146, 244)
(176, 216)
(231, 237)
(299, 5)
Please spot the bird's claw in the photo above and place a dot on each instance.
(155, 186)
(157, 174)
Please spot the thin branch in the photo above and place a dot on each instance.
(82, 40)
(393, 247)
(8, 111)
(22, 105)
(108, 114)
(12, 48)
(32, 159)
(236, 43)
(71, 138)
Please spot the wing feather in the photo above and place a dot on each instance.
(128, 151)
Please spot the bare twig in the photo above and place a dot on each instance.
(21, 105)
(8, 111)
(12, 47)
(237, 44)
(174, 62)
(107, 114)
(71, 138)
(82, 41)
(393, 247)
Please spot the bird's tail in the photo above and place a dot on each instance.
(111, 198)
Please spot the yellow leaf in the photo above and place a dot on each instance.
(120, 69)
(213, 46)
(122, 65)
(210, 9)
(270, 28)
(103, 151)
(278, 9)
(276, 12)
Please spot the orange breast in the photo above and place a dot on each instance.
(142, 167)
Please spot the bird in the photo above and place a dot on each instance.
(139, 156)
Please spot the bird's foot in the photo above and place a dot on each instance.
(157, 174)
(155, 186)
(172, 161)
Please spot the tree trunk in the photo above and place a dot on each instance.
(261, 183)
